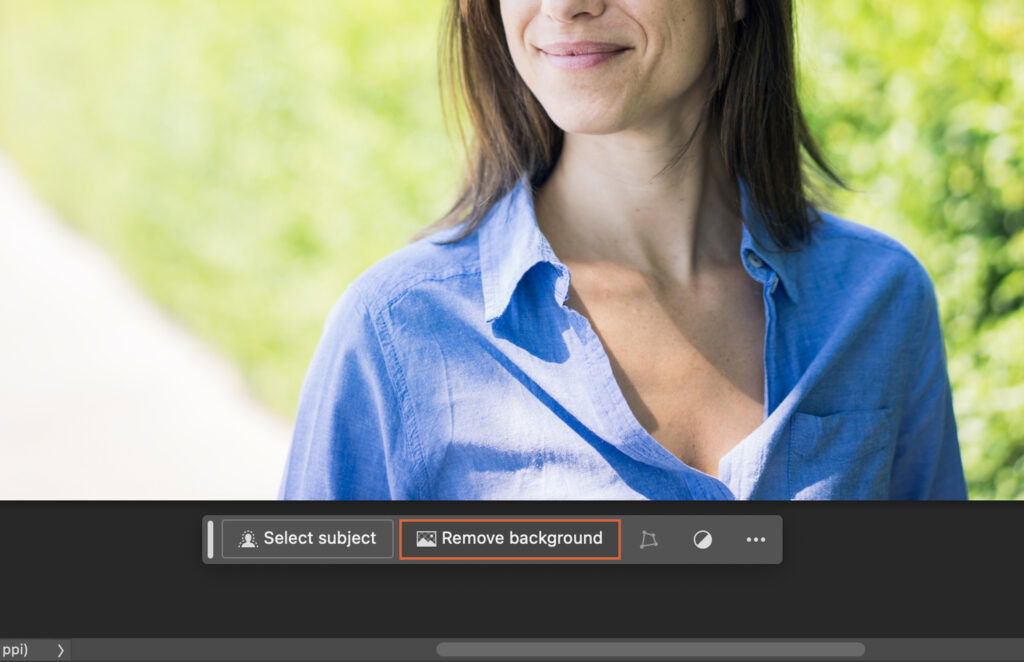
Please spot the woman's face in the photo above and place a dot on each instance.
(652, 55)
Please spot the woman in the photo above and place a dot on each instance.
(632, 297)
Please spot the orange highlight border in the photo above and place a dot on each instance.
(401, 557)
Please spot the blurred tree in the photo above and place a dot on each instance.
(243, 160)
(922, 106)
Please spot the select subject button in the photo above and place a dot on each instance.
(307, 539)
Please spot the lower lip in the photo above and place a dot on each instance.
(575, 62)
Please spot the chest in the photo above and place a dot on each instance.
(518, 408)
(688, 361)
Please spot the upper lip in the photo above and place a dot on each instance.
(581, 47)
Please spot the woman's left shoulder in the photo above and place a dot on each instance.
(856, 255)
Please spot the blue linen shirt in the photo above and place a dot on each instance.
(457, 372)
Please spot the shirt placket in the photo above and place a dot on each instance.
(741, 467)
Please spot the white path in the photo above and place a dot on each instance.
(102, 396)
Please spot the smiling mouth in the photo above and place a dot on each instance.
(582, 55)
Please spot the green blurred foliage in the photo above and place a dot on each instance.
(921, 105)
(245, 159)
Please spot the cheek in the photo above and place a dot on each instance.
(522, 58)
(515, 20)
(676, 75)
(680, 47)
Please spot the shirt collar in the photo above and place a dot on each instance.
(757, 241)
(511, 243)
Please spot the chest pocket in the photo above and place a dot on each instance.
(847, 455)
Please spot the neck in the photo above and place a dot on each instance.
(606, 200)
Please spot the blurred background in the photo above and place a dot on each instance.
(186, 186)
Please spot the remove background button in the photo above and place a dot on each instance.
(510, 539)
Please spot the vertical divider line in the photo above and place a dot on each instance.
(209, 539)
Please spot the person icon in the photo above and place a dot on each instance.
(248, 541)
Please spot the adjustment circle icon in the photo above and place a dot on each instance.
(702, 539)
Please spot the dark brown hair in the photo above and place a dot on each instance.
(753, 104)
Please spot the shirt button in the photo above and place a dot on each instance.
(755, 261)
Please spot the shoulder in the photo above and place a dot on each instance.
(839, 238)
(429, 261)
(855, 257)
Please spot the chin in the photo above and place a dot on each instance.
(590, 121)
